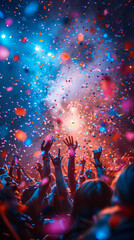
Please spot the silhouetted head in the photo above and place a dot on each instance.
(124, 186)
(91, 197)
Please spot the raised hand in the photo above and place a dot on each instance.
(39, 167)
(83, 162)
(56, 160)
(70, 143)
(46, 145)
(12, 162)
(97, 153)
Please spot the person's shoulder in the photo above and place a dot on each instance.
(112, 224)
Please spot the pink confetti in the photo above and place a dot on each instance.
(9, 89)
(9, 22)
(130, 136)
(4, 53)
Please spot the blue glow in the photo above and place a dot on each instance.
(102, 129)
(28, 142)
(112, 112)
(105, 35)
(31, 8)
(1, 15)
(102, 233)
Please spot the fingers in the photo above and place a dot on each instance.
(59, 153)
(52, 141)
(52, 158)
(95, 151)
(72, 140)
(42, 144)
(100, 149)
(76, 144)
(65, 142)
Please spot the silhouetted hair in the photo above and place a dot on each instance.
(124, 187)
(92, 196)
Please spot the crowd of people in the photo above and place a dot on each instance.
(94, 206)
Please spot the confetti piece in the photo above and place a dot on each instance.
(80, 37)
(20, 135)
(4, 53)
(20, 111)
(65, 56)
(16, 58)
(9, 22)
(24, 39)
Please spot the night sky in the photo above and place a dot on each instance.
(66, 68)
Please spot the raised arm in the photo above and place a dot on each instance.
(45, 147)
(62, 193)
(39, 168)
(12, 164)
(26, 177)
(71, 163)
(81, 174)
(36, 202)
(98, 164)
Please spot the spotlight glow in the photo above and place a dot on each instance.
(37, 48)
(3, 35)
(49, 54)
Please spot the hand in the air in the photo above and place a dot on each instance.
(97, 153)
(56, 160)
(46, 145)
(70, 143)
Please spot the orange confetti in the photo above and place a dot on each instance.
(80, 37)
(15, 58)
(4, 154)
(65, 56)
(37, 154)
(20, 135)
(20, 111)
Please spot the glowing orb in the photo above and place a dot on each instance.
(80, 37)
(20, 135)
(72, 123)
(4, 53)
(65, 56)
(49, 54)
(130, 136)
(3, 35)
(9, 22)
(37, 48)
